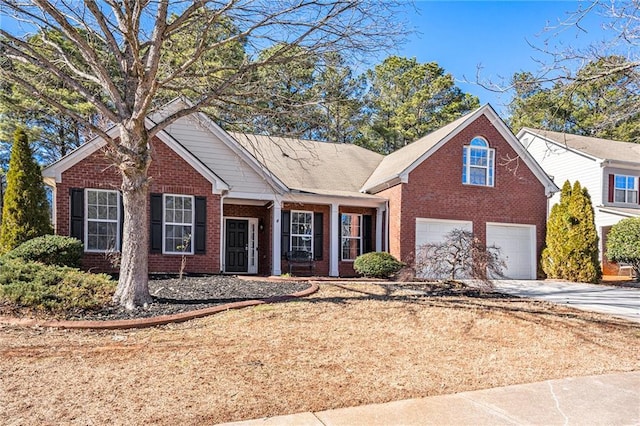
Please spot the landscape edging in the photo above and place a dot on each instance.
(155, 321)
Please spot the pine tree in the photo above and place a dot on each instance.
(572, 241)
(25, 213)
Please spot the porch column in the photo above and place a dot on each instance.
(334, 242)
(276, 236)
(379, 230)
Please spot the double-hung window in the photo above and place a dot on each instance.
(102, 220)
(351, 230)
(302, 231)
(478, 163)
(178, 224)
(626, 189)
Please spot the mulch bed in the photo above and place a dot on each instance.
(173, 296)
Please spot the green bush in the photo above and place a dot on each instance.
(623, 243)
(377, 265)
(50, 250)
(51, 288)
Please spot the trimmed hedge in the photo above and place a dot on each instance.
(50, 250)
(52, 288)
(377, 265)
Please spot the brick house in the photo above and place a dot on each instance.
(235, 203)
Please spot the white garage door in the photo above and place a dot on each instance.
(518, 248)
(434, 230)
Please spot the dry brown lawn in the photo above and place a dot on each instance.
(347, 345)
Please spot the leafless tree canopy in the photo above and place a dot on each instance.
(125, 56)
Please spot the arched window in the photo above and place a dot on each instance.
(478, 163)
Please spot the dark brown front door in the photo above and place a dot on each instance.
(236, 254)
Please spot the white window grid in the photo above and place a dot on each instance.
(625, 189)
(348, 226)
(301, 231)
(177, 216)
(478, 163)
(100, 210)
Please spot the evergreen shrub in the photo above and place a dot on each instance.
(51, 288)
(25, 211)
(50, 250)
(377, 265)
(623, 243)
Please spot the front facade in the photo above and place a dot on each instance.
(241, 204)
(610, 170)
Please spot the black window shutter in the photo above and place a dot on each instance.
(285, 232)
(317, 235)
(76, 228)
(156, 223)
(200, 232)
(367, 233)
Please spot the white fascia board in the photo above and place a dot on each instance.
(633, 165)
(55, 170)
(252, 196)
(615, 212)
(381, 186)
(328, 200)
(523, 153)
(443, 141)
(258, 167)
(522, 132)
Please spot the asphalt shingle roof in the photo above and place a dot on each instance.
(310, 166)
(604, 149)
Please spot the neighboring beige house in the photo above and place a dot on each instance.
(610, 170)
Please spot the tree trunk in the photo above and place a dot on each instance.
(133, 284)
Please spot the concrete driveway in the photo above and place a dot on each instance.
(621, 302)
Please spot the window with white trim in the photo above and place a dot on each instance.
(302, 231)
(351, 231)
(478, 163)
(102, 228)
(178, 224)
(626, 189)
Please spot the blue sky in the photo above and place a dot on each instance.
(460, 35)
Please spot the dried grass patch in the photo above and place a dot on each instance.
(346, 345)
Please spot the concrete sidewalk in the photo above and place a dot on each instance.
(612, 399)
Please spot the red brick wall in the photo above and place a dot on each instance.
(395, 229)
(435, 190)
(170, 174)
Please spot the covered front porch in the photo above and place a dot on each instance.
(257, 233)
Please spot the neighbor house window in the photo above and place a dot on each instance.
(478, 163)
(302, 231)
(626, 189)
(178, 224)
(102, 220)
(351, 229)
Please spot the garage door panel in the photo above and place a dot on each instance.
(517, 246)
(435, 230)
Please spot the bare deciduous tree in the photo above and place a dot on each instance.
(459, 255)
(122, 50)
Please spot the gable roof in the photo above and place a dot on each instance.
(53, 172)
(395, 167)
(322, 168)
(596, 148)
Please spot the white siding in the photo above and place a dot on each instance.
(218, 157)
(562, 165)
